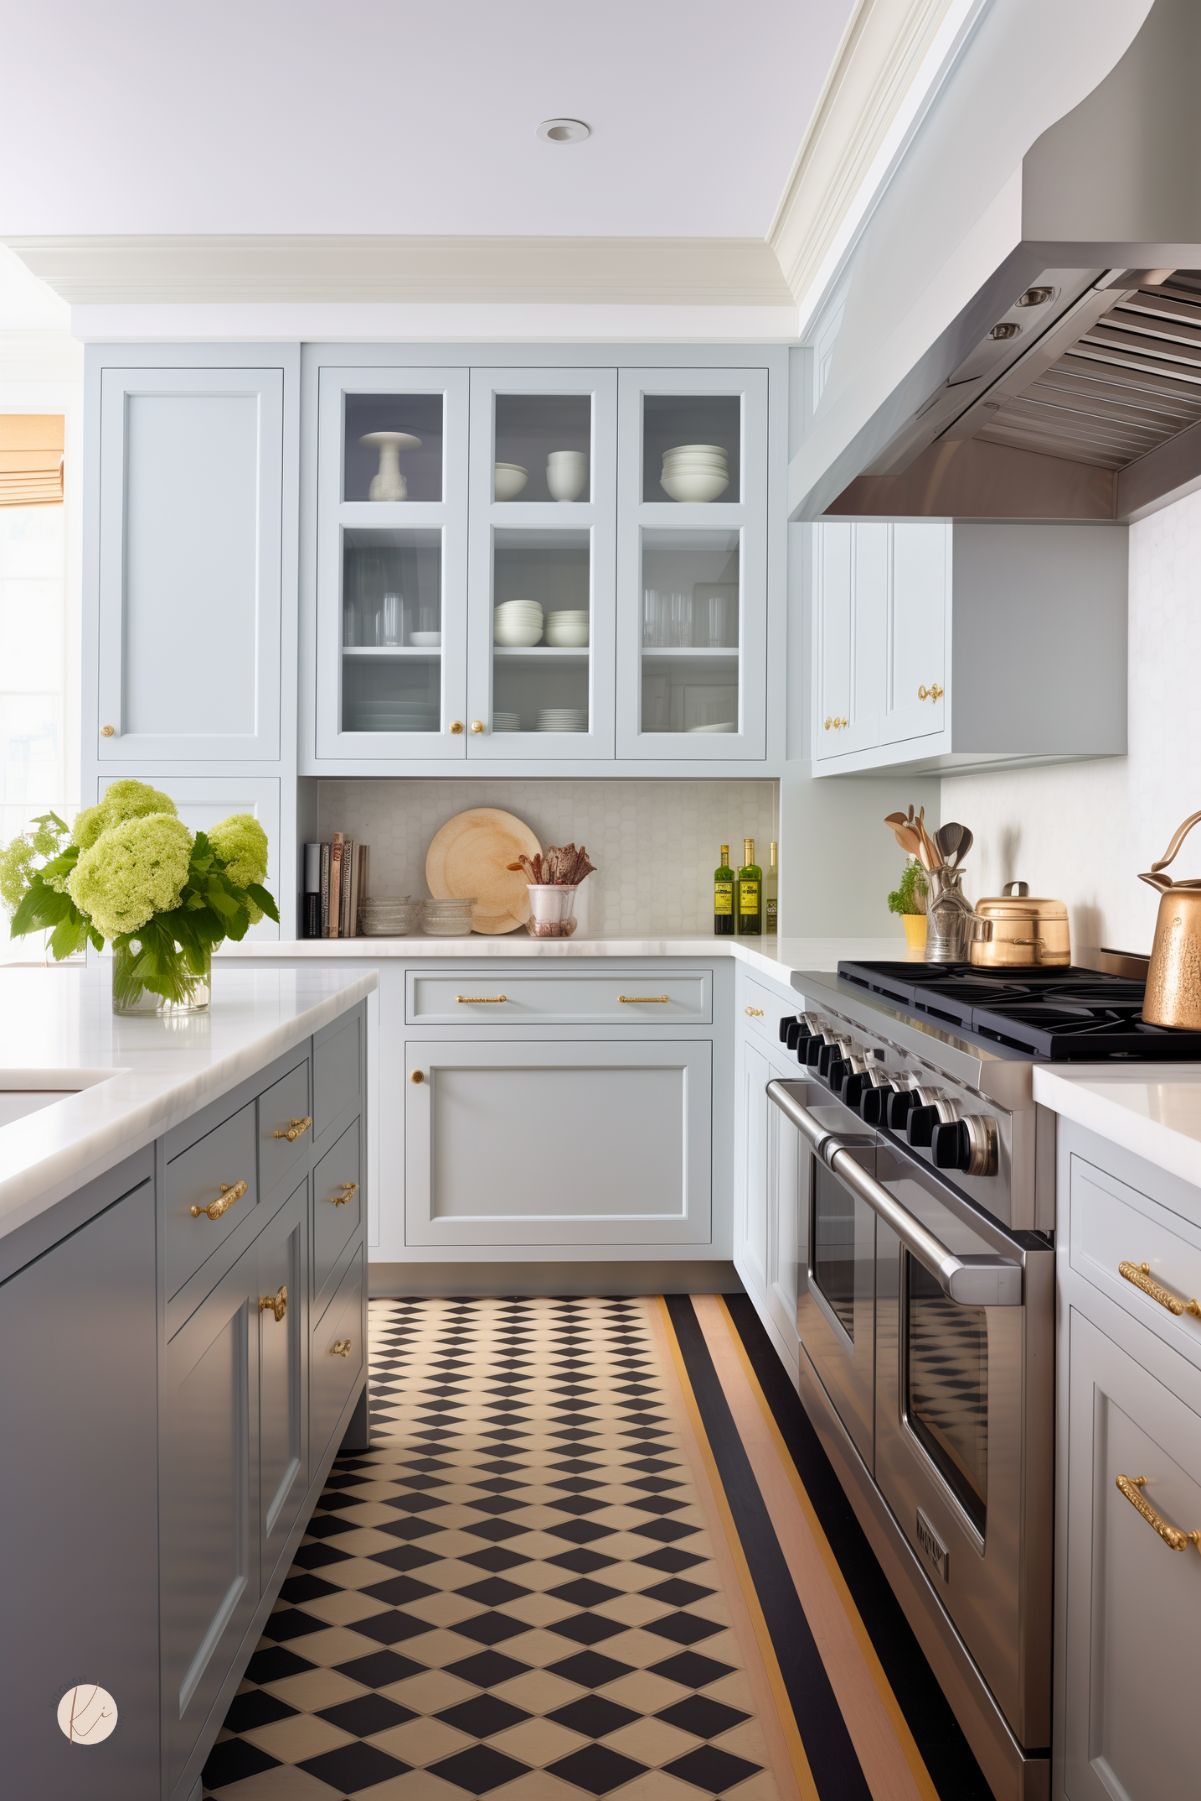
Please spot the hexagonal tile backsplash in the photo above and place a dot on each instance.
(655, 843)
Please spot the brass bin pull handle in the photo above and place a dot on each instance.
(1140, 1275)
(1176, 1540)
(230, 1192)
(293, 1130)
(340, 1348)
(644, 1000)
(277, 1303)
(754, 1012)
(346, 1192)
(481, 1000)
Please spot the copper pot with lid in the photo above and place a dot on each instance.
(1018, 930)
(1173, 995)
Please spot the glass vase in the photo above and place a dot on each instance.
(190, 989)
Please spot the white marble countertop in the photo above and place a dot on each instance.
(778, 958)
(1151, 1110)
(136, 1078)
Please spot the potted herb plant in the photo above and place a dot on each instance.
(909, 899)
(129, 873)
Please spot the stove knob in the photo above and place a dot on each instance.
(899, 1105)
(949, 1146)
(797, 1031)
(844, 1071)
(919, 1126)
(966, 1145)
(833, 1049)
(790, 1025)
(862, 1080)
(873, 1104)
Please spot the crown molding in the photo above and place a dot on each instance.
(877, 75)
(717, 272)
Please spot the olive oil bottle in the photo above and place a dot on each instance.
(749, 893)
(723, 896)
(771, 893)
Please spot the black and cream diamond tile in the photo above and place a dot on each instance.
(534, 1587)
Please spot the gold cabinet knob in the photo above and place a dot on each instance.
(417, 1075)
(828, 723)
(277, 1302)
(477, 726)
(923, 692)
(345, 1193)
(340, 1348)
(230, 1192)
(844, 722)
(936, 691)
(295, 1129)
(754, 1012)
(456, 727)
(108, 731)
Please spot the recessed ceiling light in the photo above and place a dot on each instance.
(564, 131)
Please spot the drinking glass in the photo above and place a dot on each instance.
(389, 619)
(653, 635)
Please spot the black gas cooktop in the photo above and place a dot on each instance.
(1062, 1015)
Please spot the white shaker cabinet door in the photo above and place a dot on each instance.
(190, 557)
(514, 1143)
(1128, 1726)
(915, 633)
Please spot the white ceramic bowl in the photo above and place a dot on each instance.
(517, 637)
(519, 609)
(694, 460)
(426, 640)
(689, 450)
(508, 480)
(694, 484)
(568, 638)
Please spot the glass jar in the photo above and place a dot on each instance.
(130, 996)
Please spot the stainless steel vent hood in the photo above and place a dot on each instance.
(1068, 384)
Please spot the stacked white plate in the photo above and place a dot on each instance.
(506, 722)
(397, 718)
(697, 472)
(567, 630)
(380, 918)
(517, 624)
(563, 719)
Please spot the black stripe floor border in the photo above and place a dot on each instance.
(833, 1760)
(937, 1733)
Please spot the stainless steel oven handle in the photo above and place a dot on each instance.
(970, 1281)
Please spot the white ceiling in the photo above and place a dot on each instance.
(382, 116)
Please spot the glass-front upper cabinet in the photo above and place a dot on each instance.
(540, 668)
(692, 565)
(391, 563)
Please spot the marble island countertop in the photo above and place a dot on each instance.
(778, 958)
(1152, 1110)
(102, 1087)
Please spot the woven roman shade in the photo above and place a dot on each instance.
(31, 459)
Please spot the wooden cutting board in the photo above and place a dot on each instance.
(467, 859)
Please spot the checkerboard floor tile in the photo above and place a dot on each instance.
(521, 1591)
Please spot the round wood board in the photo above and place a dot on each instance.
(467, 859)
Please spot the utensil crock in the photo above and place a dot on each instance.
(1173, 994)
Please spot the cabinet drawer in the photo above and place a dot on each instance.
(334, 1373)
(480, 997)
(1114, 1226)
(763, 1009)
(337, 1210)
(285, 1127)
(217, 1172)
(337, 1071)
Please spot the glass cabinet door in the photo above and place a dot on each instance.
(541, 616)
(692, 585)
(391, 563)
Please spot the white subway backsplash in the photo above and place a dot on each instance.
(654, 843)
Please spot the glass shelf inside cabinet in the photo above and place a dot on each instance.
(393, 447)
(543, 447)
(691, 631)
(691, 447)
(541, 631)
(391, 630)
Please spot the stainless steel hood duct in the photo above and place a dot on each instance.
(1069, 384)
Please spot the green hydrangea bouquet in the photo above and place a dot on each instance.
(130, 873)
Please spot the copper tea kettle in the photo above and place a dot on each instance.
(1173, 996)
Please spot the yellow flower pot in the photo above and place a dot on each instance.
(915, 931)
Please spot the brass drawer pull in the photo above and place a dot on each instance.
(345, 1193)
(644, 1000)
(481, 1000)
(294, 1129)
(754, 1012)
(230, 1192)
(340, 1348)
(278, 1302)
(1176, 1540)
(1140, 1275)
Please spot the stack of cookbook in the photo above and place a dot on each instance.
(335, 875)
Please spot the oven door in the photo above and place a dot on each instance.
(836, 1273)
(964, 1446)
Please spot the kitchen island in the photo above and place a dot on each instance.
(183, 1329)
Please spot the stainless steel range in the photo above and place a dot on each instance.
(927, 1296)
